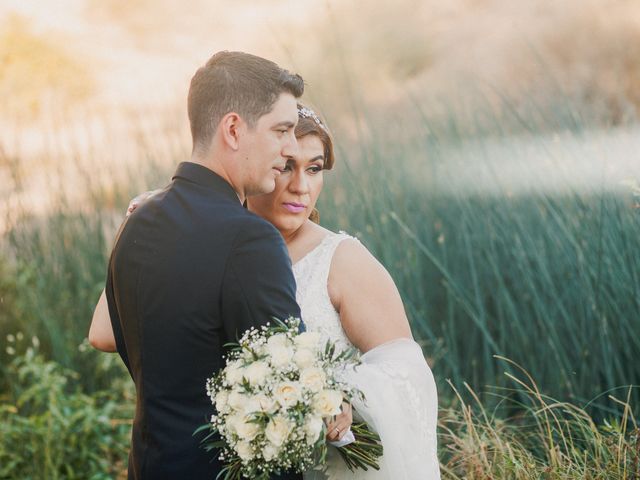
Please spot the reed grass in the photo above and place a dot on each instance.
(546, 278)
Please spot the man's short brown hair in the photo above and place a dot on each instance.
(235, 82)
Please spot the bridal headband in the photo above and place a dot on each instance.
(306, 112)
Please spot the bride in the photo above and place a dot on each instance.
(347, 295)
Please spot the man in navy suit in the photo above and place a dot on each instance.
(192, 269)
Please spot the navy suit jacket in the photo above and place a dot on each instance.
(191, 270)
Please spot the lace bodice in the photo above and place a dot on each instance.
(311, 273)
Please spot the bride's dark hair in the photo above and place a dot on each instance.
(310, 124)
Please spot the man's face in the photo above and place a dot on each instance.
(266, 147)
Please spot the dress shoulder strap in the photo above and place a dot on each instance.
(325, 255)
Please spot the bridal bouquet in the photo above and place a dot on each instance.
(271, 401)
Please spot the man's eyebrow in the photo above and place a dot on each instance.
(285, 123)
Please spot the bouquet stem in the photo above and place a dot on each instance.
(365, 451)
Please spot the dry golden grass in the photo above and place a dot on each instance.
(38, 71)
(545, 439)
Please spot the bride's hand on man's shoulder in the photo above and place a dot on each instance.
(136, 201)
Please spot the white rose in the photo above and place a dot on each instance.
(234, 372)
(270, 451)
(278, 340)
(251, 405)
(222, 399)
(245, 429)
(327, 402)
(280, 356)
(278, 430)
(233, 421)
(287, 394)
(245, 451)
(313, 378)
(309, 340)
(267, 404)
(304, 358)
(313, 428)
(256, 373)
(237, 400)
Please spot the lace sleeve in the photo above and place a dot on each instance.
(401, 405)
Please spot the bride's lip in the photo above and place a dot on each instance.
(294, 207)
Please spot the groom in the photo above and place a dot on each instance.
(192, 269)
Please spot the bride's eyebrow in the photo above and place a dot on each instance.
(318, 157)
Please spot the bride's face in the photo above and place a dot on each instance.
(297, 188)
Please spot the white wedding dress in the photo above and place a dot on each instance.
(401, 398)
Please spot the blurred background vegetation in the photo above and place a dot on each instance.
(487, 155)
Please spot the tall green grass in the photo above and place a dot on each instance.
(549, 282)
(548, 279)
(53, 265)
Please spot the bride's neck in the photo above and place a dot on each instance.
(303, 240)
(292, 236)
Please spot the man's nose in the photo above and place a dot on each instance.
(290, 148)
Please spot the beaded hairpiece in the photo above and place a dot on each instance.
(306, 112)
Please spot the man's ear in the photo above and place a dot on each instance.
(230, 127)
